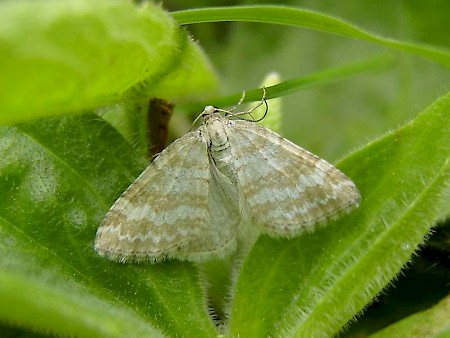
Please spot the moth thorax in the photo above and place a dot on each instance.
(216, 134)
(219, 145)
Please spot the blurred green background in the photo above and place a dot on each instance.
(333, 119)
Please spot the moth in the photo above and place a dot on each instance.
(191, 201)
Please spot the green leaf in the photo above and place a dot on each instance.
(313, 285)
(434, 322)
(291, 16)
(58, 179)
(66, 309)
(63, 56)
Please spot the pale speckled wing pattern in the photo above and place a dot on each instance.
(189, 202)
(285, 189)
(171, 211)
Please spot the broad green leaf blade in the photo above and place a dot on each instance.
(66, 309)
(284, 15)
(58, 178)
(65, 56)
(434, 322)
(313, 285)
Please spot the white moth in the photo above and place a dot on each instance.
(191, 200)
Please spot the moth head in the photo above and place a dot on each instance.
(208, 111)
